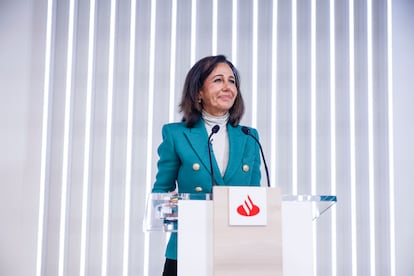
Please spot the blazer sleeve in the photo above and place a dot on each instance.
(168, 163)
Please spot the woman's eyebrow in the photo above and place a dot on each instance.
(221, 75)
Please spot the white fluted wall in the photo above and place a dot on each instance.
(91, 82)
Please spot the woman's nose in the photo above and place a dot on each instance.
(225, 85)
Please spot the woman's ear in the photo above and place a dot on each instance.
(200, 96)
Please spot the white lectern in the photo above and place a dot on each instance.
(212, 242)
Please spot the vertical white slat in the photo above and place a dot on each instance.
(313, 97)
(151, 78)
(193, 30)
(352, 137)
(390, 98)
(108, 140)
(273, 127)
(313, 127)
(173, 60)
(294, 100)
(234, 34)
(332, 39)
(66, 140)
(214, 28)
(255, 11)
(371, 141)
(87, 141)
(130, 123)
(45, 141)
(150, 116)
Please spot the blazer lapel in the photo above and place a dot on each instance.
(198, 138)
(237, 142)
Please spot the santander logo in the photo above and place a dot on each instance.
(248, 208)
(252, 211)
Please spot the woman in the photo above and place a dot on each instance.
(211, 96)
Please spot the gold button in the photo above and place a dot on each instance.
(198, 189)
(196, 166)
(245, 168)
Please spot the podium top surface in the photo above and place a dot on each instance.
(209, 196)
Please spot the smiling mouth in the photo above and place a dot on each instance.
(226, 98)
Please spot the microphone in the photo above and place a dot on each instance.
(214, 130)
(246, 131)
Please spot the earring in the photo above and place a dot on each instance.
(199, 101)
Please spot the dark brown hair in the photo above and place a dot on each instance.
(194, 81)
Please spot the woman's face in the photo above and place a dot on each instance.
(219, 90)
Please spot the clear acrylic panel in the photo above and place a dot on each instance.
(162, 214)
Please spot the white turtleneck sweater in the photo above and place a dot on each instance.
(220, 140)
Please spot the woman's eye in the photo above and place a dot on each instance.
(217, 80)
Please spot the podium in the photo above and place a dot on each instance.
(212, 242)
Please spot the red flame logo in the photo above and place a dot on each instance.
(248, 208)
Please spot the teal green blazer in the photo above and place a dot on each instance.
(184, 163)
